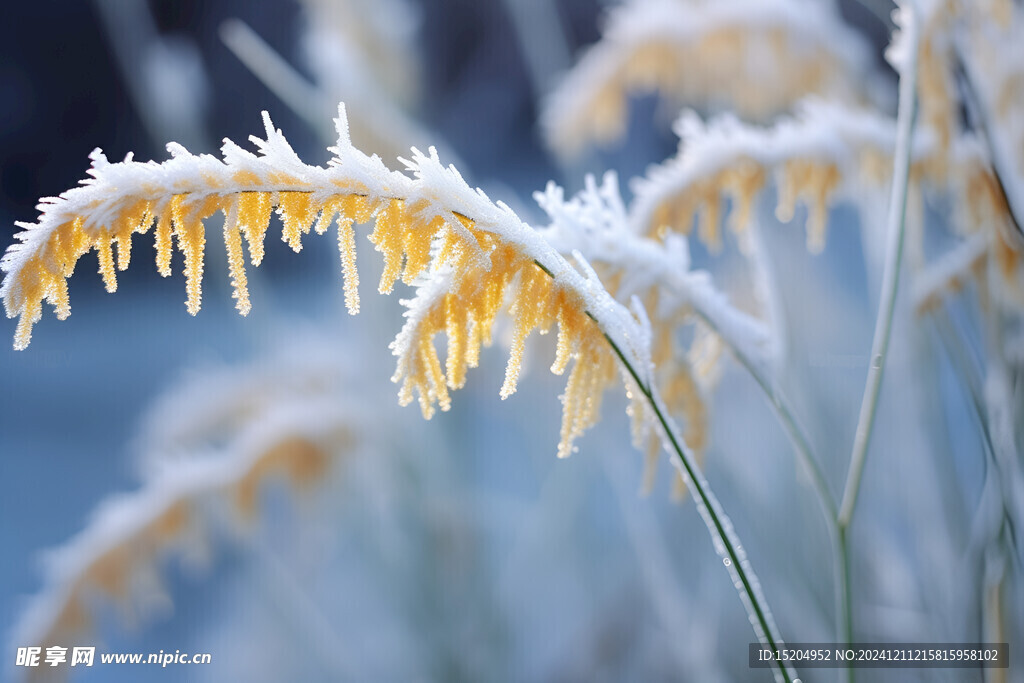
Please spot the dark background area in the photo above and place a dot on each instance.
(62, 93)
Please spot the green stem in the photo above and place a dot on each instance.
(718, 525)
(844, 611)
(829, 511)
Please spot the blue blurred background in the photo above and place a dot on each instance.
(510, 565)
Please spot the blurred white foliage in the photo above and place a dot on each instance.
(165, 75)
(755, 58)
(211, 446)
(361, 52)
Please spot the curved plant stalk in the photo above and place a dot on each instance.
(829, 511)
(805, 455)
(727, 545)
(665, 267)
(595, 223)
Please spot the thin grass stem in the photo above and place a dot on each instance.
(844, 595)
(722, 534)
(896, 229)
(805, 455)
(279, 77)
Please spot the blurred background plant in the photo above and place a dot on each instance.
(459, 549)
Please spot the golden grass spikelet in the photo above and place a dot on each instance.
(347, 250)
(726, 160)
(422, 226)
(105, 255)
(464, 303)
(999, 11)
(677, 374)
(939, 97)
(253, 219)
(681, 393)
(657, 274)
(984, 217)
(653, 47)
(401, 238)
(824, 154)
(936, 86)
(466, 314)
(590, 376)
(176, 210)
(179, 218)
(799, 181)
(814, 184)
(683, 396)
(236, 261)
(108, 571)
(300, 460)
(163, 245)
